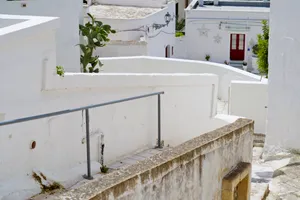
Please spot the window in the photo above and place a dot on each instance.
(241, 42)
(233, 41)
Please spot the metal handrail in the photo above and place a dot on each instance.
(86, 108)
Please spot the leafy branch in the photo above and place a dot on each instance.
(263, 49)
(96, 34)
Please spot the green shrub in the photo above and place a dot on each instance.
(179, 34)
(180, 24)
(60, 71)
(263, 49)
(255, 49)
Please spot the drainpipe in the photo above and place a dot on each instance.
(201, 2)
(216, 2)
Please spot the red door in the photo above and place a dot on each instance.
(237, 46)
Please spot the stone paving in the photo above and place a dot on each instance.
(275, 174)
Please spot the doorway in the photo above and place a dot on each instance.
(167, 51)
(237, 47)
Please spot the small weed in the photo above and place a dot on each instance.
(104, 169)
(60, 71)
(207, 57)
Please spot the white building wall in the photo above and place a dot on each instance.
(159, 39)
(138, 3)
(161, 65)
(156, 40)
(250, 100)
(69, 11)
(199, 46)
(284, 72)
(180, 48)
(114, 50)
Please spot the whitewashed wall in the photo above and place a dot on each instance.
(161, 65)
(199, 46)
(159, 39)
(138, 3)
(69, 11)
(180, 48)
(250, 100)
(115, 50)
(284, 71)
(156, 40)
(60, 141)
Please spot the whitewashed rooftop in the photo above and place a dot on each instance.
(233, 8)
(121, 12)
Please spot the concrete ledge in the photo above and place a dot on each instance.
(160, 166)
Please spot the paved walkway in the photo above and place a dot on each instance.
(275, 174)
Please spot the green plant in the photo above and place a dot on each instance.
(263, 49)
(96, 34)
(104, 169)
(207, 57)
(255, 49)
(179, 34)
(60, 71)
(180, 24)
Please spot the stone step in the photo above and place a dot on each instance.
(259, 140)
(236, 64)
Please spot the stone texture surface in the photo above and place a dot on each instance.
(277, 174)
(176, 172)
(120, 12)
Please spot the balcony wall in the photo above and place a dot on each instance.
(225, 73)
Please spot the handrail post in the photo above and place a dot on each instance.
(159, 122)
(88, 153)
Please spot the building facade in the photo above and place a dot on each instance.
(143, 28)
(225, 31)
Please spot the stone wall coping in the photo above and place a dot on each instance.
(101, 187)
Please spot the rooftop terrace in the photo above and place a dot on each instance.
(121, 12)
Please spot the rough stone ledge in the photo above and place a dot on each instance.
(114, 183)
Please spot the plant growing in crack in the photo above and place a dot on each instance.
(104, 169)
(60, 71)
(95, 34)
(207, 57)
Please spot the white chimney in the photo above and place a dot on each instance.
(216, 2)
(201, 2)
